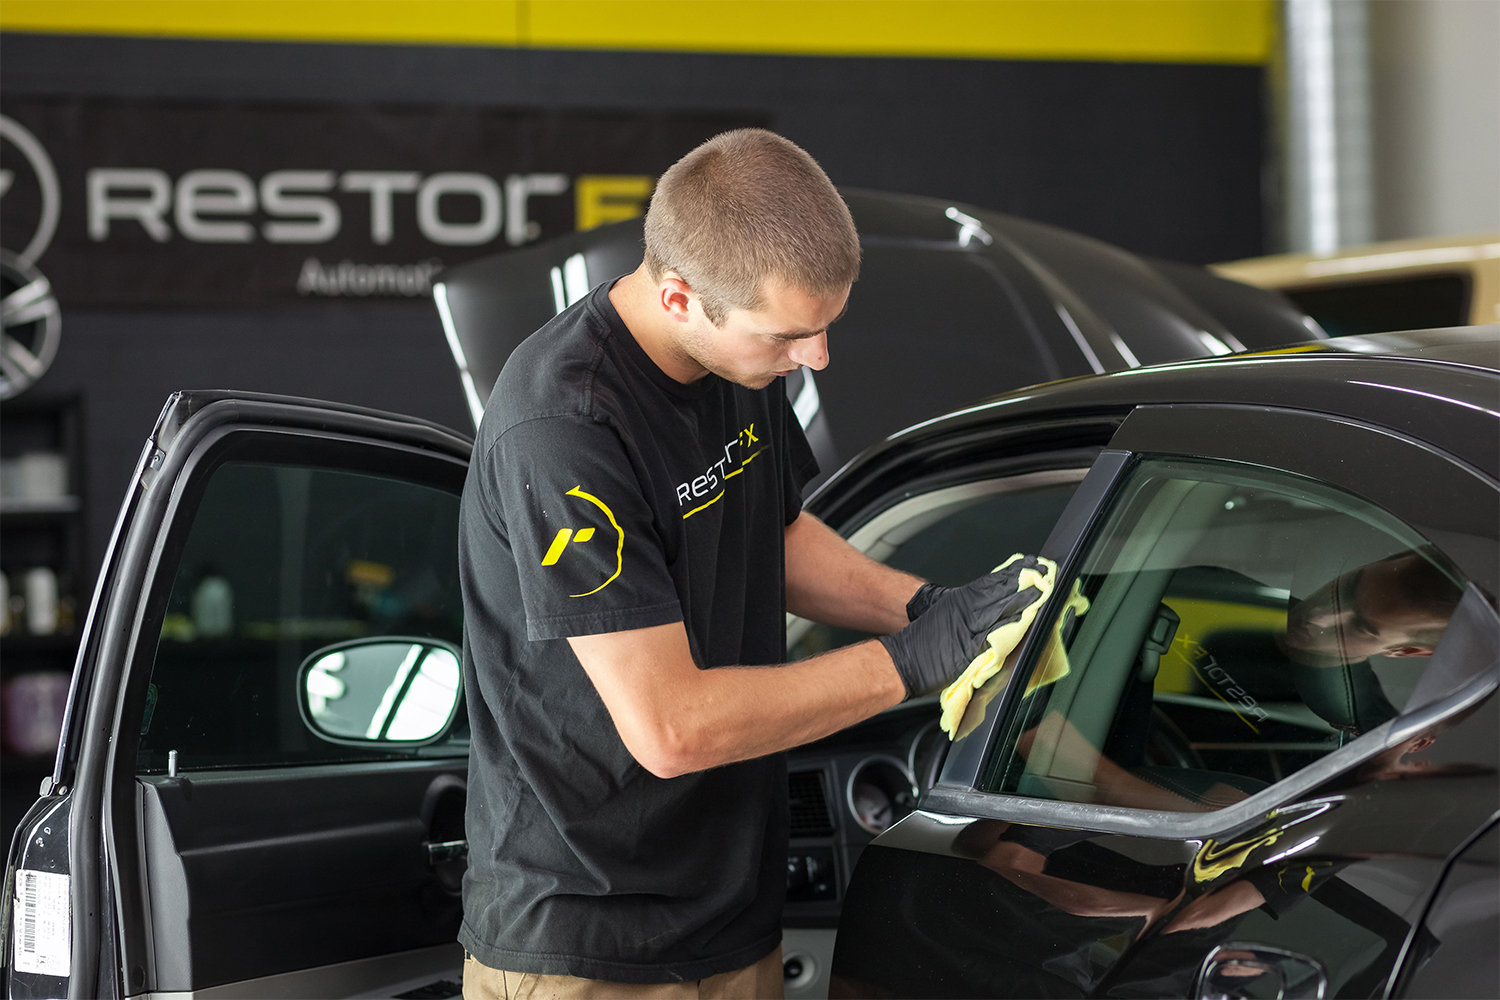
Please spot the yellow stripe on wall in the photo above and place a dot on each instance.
(464, 22)
(1207, 31)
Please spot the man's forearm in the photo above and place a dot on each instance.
(676, 719)
(830, 581)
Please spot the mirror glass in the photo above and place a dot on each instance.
(381, 690)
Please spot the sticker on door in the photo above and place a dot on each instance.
(44, 938)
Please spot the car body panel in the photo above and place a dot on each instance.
(1453, 410)
(1461, 921)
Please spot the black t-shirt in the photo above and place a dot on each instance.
(605, 496)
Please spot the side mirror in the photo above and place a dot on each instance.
(386, 690)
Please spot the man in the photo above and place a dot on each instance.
(632, 519)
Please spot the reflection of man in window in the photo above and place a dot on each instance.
(1398, 606)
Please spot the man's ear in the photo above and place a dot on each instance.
(675, 296)
(1409, 651)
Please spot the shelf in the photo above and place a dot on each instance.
(28, 654)
(38, 643)
(13, 506)
(19, 765)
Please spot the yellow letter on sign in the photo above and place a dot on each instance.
(606, 198)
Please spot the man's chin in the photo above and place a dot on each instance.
(749, 381)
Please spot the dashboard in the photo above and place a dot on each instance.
(847, 789)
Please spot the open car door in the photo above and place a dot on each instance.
(260, 788)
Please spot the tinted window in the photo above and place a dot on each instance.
(1383, 306)
(281, 561)
(1230, 625)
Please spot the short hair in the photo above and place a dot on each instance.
(741, 207)
(1427, 580)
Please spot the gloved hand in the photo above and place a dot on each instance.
(923, 599)
(955, 625)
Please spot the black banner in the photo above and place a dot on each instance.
(173, 202)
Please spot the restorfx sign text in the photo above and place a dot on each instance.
(229, 202)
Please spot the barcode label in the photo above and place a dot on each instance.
(43, 933)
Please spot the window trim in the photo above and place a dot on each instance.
(1083, 514)
(952, 800)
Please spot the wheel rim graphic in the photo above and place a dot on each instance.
(30, 325)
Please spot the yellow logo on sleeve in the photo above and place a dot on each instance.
(564, 536)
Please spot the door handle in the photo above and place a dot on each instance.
(1238, 969)
(445, 850)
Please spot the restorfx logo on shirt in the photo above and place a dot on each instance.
(567, 537)
(707, 489)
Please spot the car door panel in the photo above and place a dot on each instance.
(1462, 921)
(299, 867)
(986, 894)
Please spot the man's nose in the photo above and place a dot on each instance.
(812, 352)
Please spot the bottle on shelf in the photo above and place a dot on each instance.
(32, 705)
(213, 607)
(41, 601)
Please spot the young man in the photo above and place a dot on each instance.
(631, 529)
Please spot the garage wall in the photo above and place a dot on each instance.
(1161, 155)
(1436, 107)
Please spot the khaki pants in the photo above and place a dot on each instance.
(761, 981)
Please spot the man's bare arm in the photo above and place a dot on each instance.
(675, 719)
(830, 581)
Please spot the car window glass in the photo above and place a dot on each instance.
(953, 542)
(1229, 626)
(279, 562)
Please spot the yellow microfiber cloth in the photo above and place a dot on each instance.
(1004, 639)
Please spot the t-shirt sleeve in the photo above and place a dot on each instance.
(801, 464)
(586, 549)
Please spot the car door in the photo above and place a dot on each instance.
(849, 787)
(1194, 779)
(260, 789)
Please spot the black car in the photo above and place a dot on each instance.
(260, 788)
(954, 303)
(1249, 748)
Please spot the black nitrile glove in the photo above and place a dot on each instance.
(923, 599)
(952, 629)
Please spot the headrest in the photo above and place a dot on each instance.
(1346, 696)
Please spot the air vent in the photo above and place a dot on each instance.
(809, 802)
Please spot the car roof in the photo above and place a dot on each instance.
(1473, 346)
(1440, 387)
